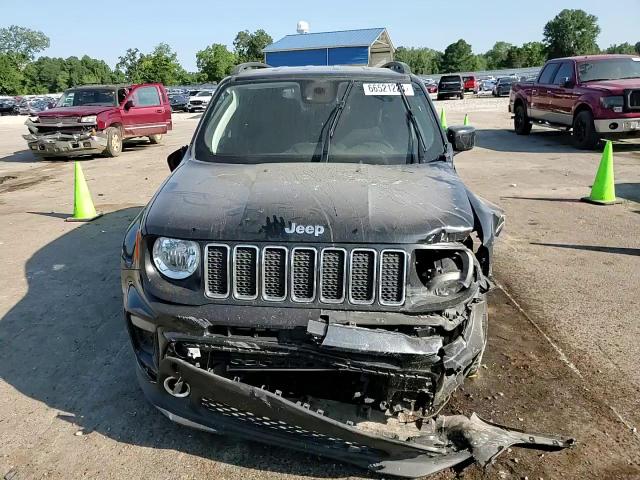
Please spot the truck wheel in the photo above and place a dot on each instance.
(521, 123)
(114, 142)
(155, 139)
(439, 97)
(584, 131)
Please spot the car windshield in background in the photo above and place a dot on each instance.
(506, 81)
(77, 98)
(204, 94)
(611, 69)
(288, 121)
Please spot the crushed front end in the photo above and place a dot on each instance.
(64, 136)
(342, 350)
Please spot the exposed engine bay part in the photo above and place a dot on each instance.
(232, 407)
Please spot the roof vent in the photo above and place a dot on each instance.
(303, 27)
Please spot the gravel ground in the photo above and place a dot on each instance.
(563, 346)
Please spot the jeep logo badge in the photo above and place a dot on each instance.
(316, 230)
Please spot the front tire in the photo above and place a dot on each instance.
(114, 142)
(462, 96)
(521, 123)
(155, 139)
(584, 133)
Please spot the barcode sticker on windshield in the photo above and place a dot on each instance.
(387, 89)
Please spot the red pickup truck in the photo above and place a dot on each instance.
(95, 119)
(596, 96)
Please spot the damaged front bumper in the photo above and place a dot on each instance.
(197, 398)
(66, 144)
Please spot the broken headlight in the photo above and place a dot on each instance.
(176, 259)
(89, 119)
(445, 272)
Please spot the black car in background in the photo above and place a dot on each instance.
(178, 101)
(7, 106)
(503, 86)
(450, 86)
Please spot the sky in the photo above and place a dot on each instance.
(105, 29)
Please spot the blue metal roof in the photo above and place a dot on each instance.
(308, 41)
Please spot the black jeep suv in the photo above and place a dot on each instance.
(450, 86)
(313, 272)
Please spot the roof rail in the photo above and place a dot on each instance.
(399, 67)
(243, 67)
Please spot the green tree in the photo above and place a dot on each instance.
(161, 65)
(421, 60)
(571, 32)
(458, 57)
(22, 43)
(215, 62)
(497, 56)
(637, 48)
(11, 78)
(248, 46)
(623, 48)
(129, 65)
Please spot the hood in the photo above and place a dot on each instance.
(310, 202)
(76, 111)
(614, 86)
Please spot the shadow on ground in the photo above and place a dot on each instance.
(539, 141)
(64, 344)
(593, 248)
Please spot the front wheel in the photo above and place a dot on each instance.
(155, 139)
(585, 136)
(521, 123)
(462, 96)
(114, 142)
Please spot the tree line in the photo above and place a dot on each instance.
(571, 32)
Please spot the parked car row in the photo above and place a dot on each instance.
(26, 105)
(186, 100)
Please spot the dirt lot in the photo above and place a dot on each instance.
(564, 336)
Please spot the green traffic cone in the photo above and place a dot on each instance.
(83, 209)
(466, 119)
(603, 191)
(443, 119)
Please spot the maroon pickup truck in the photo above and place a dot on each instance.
(95, 119)
(597, 96)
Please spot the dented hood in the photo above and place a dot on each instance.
(327, 202)
(76, 111)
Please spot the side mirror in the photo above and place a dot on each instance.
(462, 137)
(568, 82)
(128, 104)
(174, 159)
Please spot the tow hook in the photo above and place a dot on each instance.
(177, 387)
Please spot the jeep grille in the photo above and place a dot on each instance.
(329, 275)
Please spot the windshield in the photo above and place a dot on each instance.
(613, 69)
(203, 94)
(77, 98)
(287, 121)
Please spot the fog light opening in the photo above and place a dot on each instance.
(176, 387)
(613, 126)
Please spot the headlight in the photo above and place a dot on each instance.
(89, 119)
(34, 119)
(174, 258)
(444, 272)
(613, 103)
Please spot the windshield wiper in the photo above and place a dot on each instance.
(337, 111)
(422, 148)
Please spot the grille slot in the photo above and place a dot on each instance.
(303, 274)
(633, 100)
(362, 276)
(332, 275)
(217, 271)
(274, 273)
(392, 277)
(245, 272)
